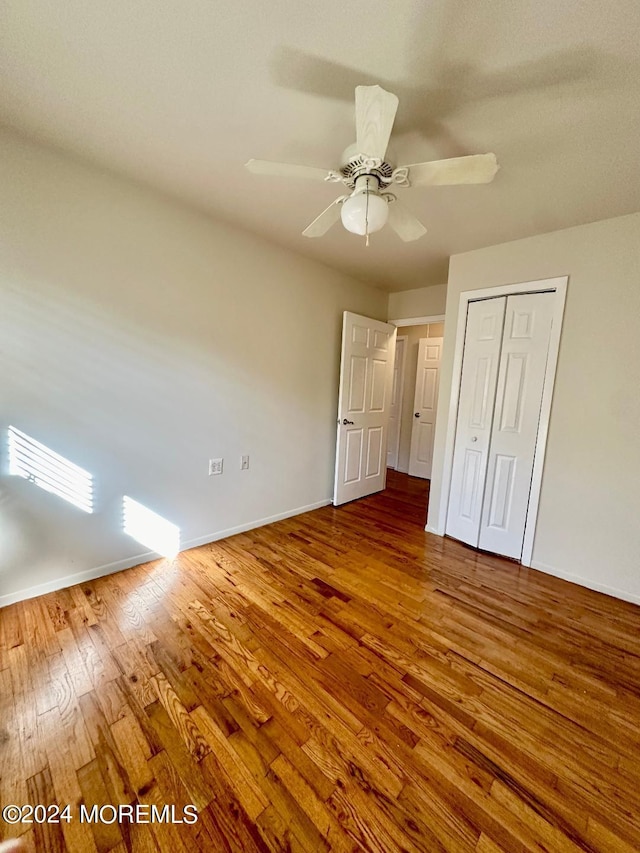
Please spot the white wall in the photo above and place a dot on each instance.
(139, 338)
(589, 517)
(421, 302)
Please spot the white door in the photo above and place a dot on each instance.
(425, 407)
(395, 412)
(523, 360)
(364, 399)
(503, 369)
(482, 343)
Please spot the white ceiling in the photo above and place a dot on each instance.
(180, 94)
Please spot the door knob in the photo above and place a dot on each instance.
(417, 415)
(474, 438)
(345, 422)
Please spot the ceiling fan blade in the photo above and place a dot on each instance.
(404, 223)
(474, 169)
(375, 113)
(286, 170)
(322, 223)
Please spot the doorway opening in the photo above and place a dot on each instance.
(408, 495)
(414, 399)
(371, 379)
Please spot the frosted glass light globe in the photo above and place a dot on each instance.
(360, 218)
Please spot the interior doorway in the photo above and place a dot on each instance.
(414, 398)
(387, 402)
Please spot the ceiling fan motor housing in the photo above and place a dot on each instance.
(355, 164)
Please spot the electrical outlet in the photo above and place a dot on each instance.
(215, 466)
(244, 463)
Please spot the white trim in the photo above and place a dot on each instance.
(588, 582)
(559, 285)
(418, 321)
(129, 562)
(251, 525)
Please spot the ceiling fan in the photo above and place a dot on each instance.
(368, 171)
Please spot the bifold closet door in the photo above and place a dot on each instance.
(482, 343)
(516, 417)
(503, 370)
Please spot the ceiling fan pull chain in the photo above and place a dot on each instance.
(366, 218)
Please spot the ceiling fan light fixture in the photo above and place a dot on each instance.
(365, 212)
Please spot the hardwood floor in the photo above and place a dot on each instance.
(338, 681)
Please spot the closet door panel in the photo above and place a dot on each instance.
(523, 359)
(483, 338)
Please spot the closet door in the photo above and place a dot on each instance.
(483, 338)
(523, 360)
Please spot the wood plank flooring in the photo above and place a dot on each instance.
(338, 681)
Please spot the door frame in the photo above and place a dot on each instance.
(418, 321)
(559, 286)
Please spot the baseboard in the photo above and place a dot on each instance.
(586, 582)
(252, 525)
(430, 528)
(569, 576)
(129, 562)
(77, 577)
